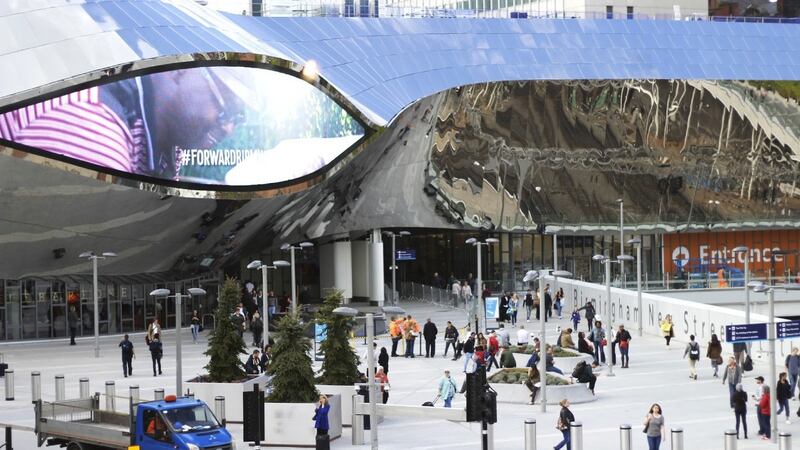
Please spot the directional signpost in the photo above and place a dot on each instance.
(788, 330)
(746, 332)
(407, 255)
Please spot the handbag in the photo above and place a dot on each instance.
(623, 344)
(603, 342)
(646, 427)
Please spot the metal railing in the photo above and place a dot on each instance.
(417, 292)
(508, 9)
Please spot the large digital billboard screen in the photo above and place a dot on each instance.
(229, 126)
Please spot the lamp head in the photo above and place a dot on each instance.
(396, 310)
(625, 258)
(305, 244)
(345, 311)
(285, 247)
(281, 263)
(196, 291)
(562, 273)
(492, 240)
(600, 258)
(471, 241)
(754, 284)
(761, 288)
(255, 264)
(86, 255)
(404, 233)
(109, 254)
(160, 292)
(634, 241)
(530, 275)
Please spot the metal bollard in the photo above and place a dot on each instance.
(490, 434)
(576, 435)
(730, 439)
(36, 387)
(358, 421)
(784, 440)
(84, 388)
(9, 380)
(110, 396)
(60, 388)
(530, 434)
(9, 444)
(134, 394)
(159, 394)
(625, 441)
(677, 439)
(219, 409)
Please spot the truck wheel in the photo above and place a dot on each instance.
(75, 446)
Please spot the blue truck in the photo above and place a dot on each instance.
(172, 423)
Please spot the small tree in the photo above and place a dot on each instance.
(340, 366)
(292, 374)
(225, 344)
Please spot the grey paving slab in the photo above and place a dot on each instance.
(655, 375)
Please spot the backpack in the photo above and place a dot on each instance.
(579, 368)
(694, 351)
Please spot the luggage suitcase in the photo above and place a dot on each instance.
(431, 403)
(323, 442)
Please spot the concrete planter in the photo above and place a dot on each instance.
(291, 424)
(567, 364)
(346, 393)
(519, 393)
(231, 391)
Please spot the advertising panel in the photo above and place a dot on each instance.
(228, 126)
(702, 252)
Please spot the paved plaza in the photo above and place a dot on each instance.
(655, 375)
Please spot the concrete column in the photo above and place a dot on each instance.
(360, 268)
(336, 268)
(376, 269)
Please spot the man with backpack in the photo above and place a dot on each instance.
(693, 350)
(583, 373)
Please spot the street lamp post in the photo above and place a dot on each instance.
(638, 243)
(394, 262)
(373, 405)
(609, 322)
(621, 238)
(292, 248)
(178, 319)
(481, 313)
(94, 257)
(746, 251)
(257, 264)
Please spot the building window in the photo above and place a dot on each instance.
(630, 13)
(609, 12)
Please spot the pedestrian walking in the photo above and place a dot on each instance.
(253, 364)
(493, 350)
(559, 302)
(693, 350)
(321, 415)
(257, 328)
(429, 332)
(383, 381)
(589, 314)
(623, 340)
(667, 329)
(714, 353)
(466, 292)
(156, 351)
(793, 368)
(503, 310)
(383, 360)
(74, 321)
(565, 418)
(757, 396)
(195, 321)
(469, 349)
(548, 303)
(396, 333)
(598, 338)
(733, 375)
(450, 337)
(654, 427)
(528, 303)
(127, 356)
(447, 389)
(765, 413)
(783, 392)
(739, 400)
(512, 309)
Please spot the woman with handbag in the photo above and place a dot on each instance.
(565, 418)
(714, 353)
(654, 427)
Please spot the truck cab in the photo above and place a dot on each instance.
(183, 423)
